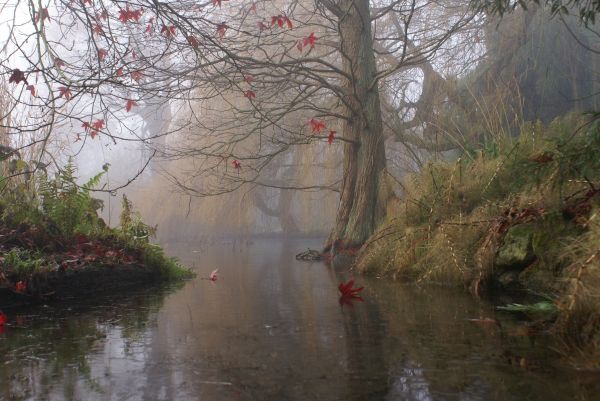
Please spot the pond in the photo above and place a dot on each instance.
(271, 328)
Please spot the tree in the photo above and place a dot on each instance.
(250, 81)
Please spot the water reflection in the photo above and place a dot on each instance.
(271, 328)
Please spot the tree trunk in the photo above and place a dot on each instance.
(362, 200)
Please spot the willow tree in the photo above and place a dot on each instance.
(250, 82)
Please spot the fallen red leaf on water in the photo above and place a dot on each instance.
(213, 275)
(348, 290)
(20, 287)
(3, 318)
(130, 103)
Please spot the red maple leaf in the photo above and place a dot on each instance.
(316, 126)
(21, 287)
(97, 29)
(310, 40)
(348, 290)
(249, 79)
(17, 76)
(3, 318)
(236, 164)
(31, 89)
(130, 103)
(250, 94)
(98, 124)
(193, 41)
(119, 72)
(88, 2)
(280, 20)
(58, 63)
(262, 26)
(102, 53)
(103, 15)
(43, 13)
(127, 15)
(168, 31)
(221, 29)
(331, 136)
(65, 92)
(136, 76)
(86, 126)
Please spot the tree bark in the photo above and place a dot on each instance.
(362, 201)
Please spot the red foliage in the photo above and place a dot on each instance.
(102, 53)
(280, 20)
(3, 318)
(58, 63)
(218, 2)
(168, 31)
(193, 41)
(127, 15)
(249, 79)
(93, 128)
(253, 8)
(331, 136)
(43, 13)
(250, 94)
(316, 126)
(97, 29)
(308, 41)
(64, 92)
(119, 72)
(31, 89)
(349, 293)
(136, 76)
(262, 26)
(236, 164)
(221, 29)
(17, 76)
(130, 103)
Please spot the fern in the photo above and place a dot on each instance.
(69, 206)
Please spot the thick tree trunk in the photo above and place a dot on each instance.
(362, 200)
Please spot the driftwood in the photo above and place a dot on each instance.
(309, 255)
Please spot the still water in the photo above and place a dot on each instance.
(271, 328)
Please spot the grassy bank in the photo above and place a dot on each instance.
(522, 212)
(53, 244)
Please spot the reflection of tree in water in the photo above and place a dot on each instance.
(367, 369)
(51, 356)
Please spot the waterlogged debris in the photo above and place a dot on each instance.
(483, 320)
(309, 255)
(540, 307)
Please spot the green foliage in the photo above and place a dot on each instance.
(132, 225)
(167, 268)
(23, 262)
(66, 204)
